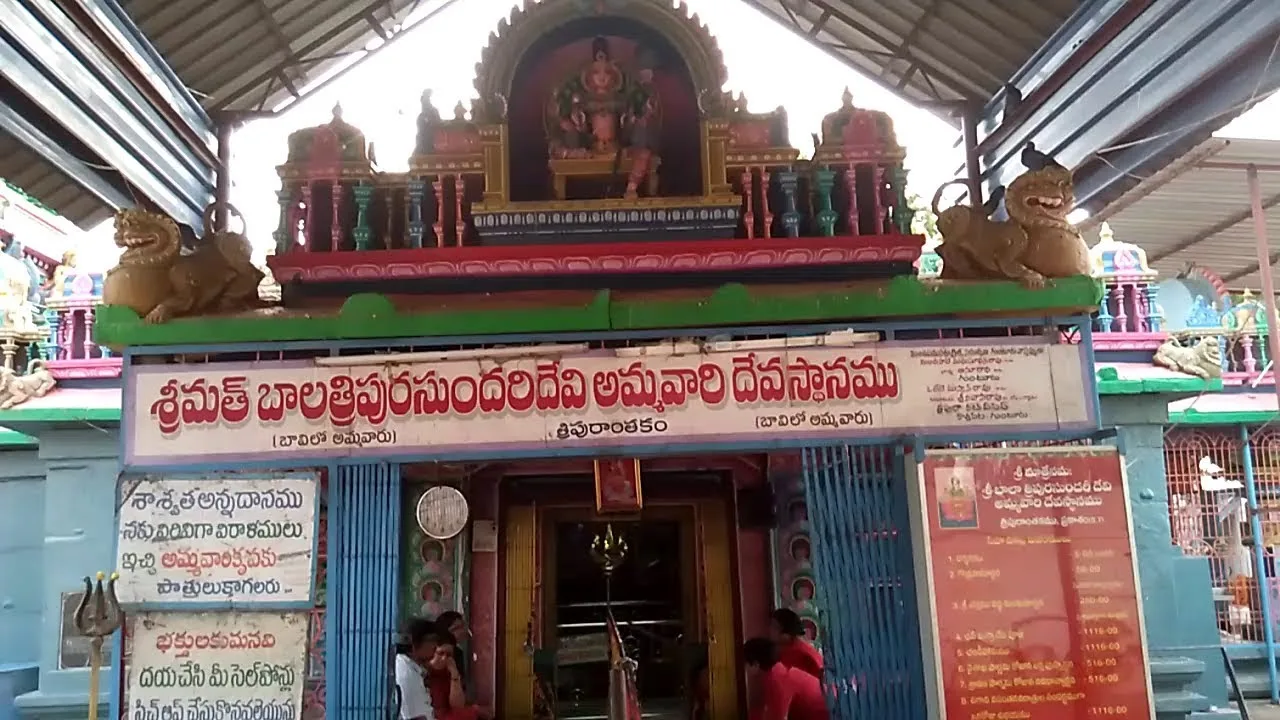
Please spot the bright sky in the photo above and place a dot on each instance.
(380, 97)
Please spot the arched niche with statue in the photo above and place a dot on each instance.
(604, 125)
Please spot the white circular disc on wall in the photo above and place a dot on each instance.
(442, 512)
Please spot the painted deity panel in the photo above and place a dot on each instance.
(431, 577)
(794, 580)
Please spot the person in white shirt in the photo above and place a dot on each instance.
(411, 670)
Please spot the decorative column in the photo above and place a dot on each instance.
(764, 202)
(88, 332)
(877, 206)
(53, 320)
(1154, 318)
(748, 218)
(851, 179)
(308, 216)
(1122, 318)
(1248, 360)
(824, 180)
(284, 233)
(417, 190)
(1104, 310)
(363, 234)
(335, 232)
(459, 194)
(438, 226)
(389, 242)
(67, 330)
(902, 212)
(788, 181)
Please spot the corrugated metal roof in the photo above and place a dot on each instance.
(238, 55)
(40, 179)
(1197, 212)
(928, 50)
(255, 54)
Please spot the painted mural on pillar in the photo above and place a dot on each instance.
(313, 695)
(432, 571)
(794, 583)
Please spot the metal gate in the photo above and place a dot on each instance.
(859, 522)
(364, 563)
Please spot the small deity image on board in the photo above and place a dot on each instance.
(957, 498)
(801, 550)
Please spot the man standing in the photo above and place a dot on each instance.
(793, 650)
(411, 670)
(785, 693)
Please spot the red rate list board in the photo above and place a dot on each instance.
(1034, 587)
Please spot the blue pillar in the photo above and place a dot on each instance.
(1177, 600)
(362, 597)
(78, 528)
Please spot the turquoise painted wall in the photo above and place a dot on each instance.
(1182, 633)
(73, 515)
(21, 566)
(21, 562)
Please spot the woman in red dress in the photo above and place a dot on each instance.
(793, 651)
(445, 683)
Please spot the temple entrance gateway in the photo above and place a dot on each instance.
(642, 569)
(666, 575)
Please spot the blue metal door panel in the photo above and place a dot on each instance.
(364, 563)
(860, 527)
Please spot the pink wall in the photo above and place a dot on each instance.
(482, 605)
(755, 570)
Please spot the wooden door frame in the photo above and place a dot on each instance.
(709, 498)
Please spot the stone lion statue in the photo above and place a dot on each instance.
(157, 281)
(1035, 243)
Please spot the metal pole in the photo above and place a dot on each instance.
(222, 192)
(1264, 269)
(1259, 566)
(1273, 341)
(969, 119)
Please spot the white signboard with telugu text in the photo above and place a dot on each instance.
(219, 541)
(557, 400)
(215, 665)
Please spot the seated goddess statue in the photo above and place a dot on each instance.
(603, 115)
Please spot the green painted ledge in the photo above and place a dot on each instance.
(55, 415)
(1192, 416)
(1110, 383)
(370, 316)
(14, 439)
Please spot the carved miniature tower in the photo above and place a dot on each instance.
(1129, 303)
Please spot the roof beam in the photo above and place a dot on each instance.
(72, 95)
(370, 53)
(1221, 75)
(1219, 227)
(116, 25)
(277, 34)
(1250, 269)
(942, 108)
(885, 43)
(239, 88)
(56, 155)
